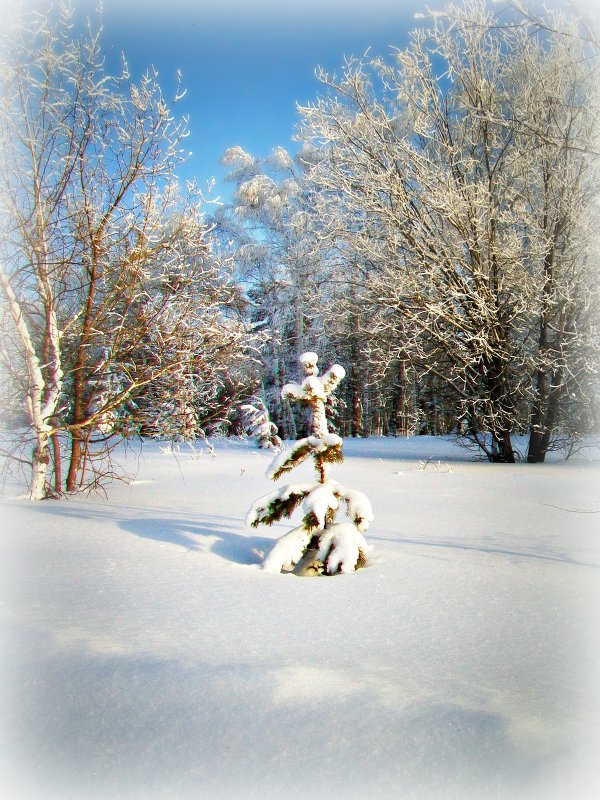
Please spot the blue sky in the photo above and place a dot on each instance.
(246, 64)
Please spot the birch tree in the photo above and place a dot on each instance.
(106, 265)
(468, 162)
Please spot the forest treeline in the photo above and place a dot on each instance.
(434, 228)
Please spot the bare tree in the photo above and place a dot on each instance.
(478, 230)
(105, 263)
(578, 19)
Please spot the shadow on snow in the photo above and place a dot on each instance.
(220, 535)
(228, 544)
(490, 549)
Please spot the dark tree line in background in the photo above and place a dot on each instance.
(436, 232)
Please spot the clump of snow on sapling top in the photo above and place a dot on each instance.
(319, 545)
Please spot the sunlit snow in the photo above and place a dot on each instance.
(147, 654)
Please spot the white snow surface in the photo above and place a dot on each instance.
(146, 654)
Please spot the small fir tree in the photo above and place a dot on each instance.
(319, 545)
(258, 425)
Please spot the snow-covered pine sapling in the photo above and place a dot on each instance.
(258, 425)
(319, 545)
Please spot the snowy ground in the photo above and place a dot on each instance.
(146, 655)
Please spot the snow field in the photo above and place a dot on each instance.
(146, 654)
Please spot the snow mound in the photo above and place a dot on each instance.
(340, 547)
(287, 551)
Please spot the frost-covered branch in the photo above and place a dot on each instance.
(124, 317)
(462, 211)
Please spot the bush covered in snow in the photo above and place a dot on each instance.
(258, 425)
(319, 545)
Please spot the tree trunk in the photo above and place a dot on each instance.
(357, 428)
(502, 449)
(43, 395)
(356, 421)
(400, 402)
(535, 454)
(75, 461)
(543, 427)
(501, 408)
(56, 460)
(39, 467)
(536, 428)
